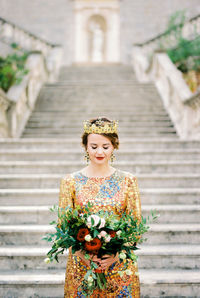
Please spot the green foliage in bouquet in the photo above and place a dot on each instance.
(100, 233)
(12, 69)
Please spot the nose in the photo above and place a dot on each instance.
(99, 150)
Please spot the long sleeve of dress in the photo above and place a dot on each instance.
(133, 198)
(66, 194)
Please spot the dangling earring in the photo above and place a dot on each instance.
(112, 158)
(87, 158)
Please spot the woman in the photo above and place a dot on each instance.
(109, 189)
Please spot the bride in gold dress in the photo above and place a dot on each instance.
(108, 189)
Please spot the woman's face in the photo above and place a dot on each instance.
(99, 146)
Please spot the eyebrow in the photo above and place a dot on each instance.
(96, 144)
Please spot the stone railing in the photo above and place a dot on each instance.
(142, 54)
(43, 64)
(182, 105)
(5, 105)
(152, 64)
(11, 33)
(18, 103)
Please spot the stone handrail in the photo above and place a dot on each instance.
(43, 63)
(189, 30)
(182, 105)
(5, 104)
(143, 53)
(11, 33)
(18, 103)
(152, 64)
(21, 98)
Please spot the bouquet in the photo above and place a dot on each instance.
(98, 233)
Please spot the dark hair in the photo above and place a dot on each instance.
(113, 137)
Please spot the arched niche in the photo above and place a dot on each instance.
(97, 31)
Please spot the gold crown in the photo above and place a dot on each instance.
(101, 127)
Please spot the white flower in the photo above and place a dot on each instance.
(47, 260)
(107, 238)
(122, 255)
(119, 233)
(99, 236)
(128, 272)
(90, 279)
(88, 238)
(103, 234)
(97, 219)
(136, 273)
(121, 273)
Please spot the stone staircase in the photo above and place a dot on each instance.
(168, 171)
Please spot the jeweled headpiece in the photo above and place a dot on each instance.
(100, 126)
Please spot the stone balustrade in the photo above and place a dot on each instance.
(10, 33)
(182, 105)
(5, 104)
(143, 53)
(152, 64)
(43, 64)
(18, 103)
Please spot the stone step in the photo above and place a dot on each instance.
(78, 155)
(100, 103)
(74, 89)
(49, 196)
(75, 81)
(150, 257)
(42, 214)
(59, 135)
(91, 113)
(125, 143)
(145, 114)
(50, 284)
(68, 123)
(57, 116)
(172, 233)
(145, 180)
(77, 131)
(41, 167)
(76, 127)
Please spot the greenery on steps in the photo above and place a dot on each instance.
(12, 69)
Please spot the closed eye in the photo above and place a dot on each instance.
(103, 148)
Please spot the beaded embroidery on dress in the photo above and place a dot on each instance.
(118, 192)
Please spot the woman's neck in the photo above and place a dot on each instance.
(96, 170)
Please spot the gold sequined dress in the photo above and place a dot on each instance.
(118, 192)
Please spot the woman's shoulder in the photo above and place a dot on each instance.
(68, 177)
(127, 174)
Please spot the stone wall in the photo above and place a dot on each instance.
(53, 20)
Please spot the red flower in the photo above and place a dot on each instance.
(93, 246)
(112, 234)
(98, 270)
(81, 234)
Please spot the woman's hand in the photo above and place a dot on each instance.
(103, 262)
(108, 260)
(93, 258)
